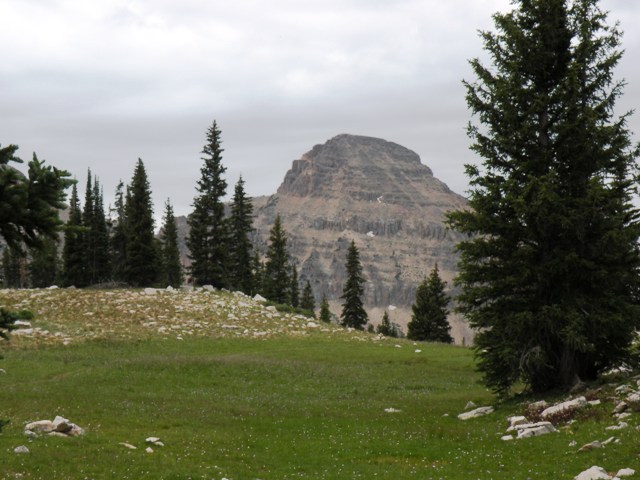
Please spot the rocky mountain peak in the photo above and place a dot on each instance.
(361, 168)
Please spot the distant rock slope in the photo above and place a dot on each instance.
(379, 194)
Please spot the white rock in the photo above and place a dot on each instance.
(594, 403)
(170, 289)
(590, 446)
(634, 398)
(128, 445)
(149, 450)
(574, 404)
(371, 234)
(626, 472)
(573, 443)
(312, 325)
(44, 426)
(478, 412)
(61, 424)
(53, 287)
(392, 410)
(417, 350)
(528, 430)
(75, 431)
(21, 449)
(594, 473)
(517, 420)
(150, 291)
(622, 389)
(620, 407)
(22, 323)
(470, 405)
(271, 308)
(608, 440)
(2, 371)
(506, 438)
(208, 288)
(152, 439)
(539, 405)
(23, 331)
(620, 426)
(259, 298)
(391, 308)
(622, 416)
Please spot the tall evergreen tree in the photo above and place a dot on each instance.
(102, 263)
(276, 270)
(325, 313)
(386, 328)
(13, 262)
(88, 233)
(73, 257)
(43, 264)
(29, 205)
(208, 239)
(240, 248)
(353, 312)
(118, 240)
(307, 302)
(294, 288)
(429, 312)
(142, 261)
(171, 266)
(549, 273)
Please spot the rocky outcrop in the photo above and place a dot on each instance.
(379, 194)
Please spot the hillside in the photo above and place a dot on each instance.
(200, 384)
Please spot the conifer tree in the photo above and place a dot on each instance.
(29, 205)
(13, 261)
(118, 240)
(549, 272)
(142, 262)
(429, 312)
(43, 265)
(307, 302)
(88, 233)
(276, 270)
(102, 264)
(325, 313)
(353, 312)
(208, 239)
(73, 257)
(171, 266)
(240, 247)
(294, 288)
(386, 328)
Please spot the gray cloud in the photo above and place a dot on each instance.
(99, 84)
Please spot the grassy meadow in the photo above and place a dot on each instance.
(235, 390)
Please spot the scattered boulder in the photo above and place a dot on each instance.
(594, 473)
(149, 450)
(626, 472)
(506, 438)
(478, 412)
(155, 441)
(620, 426)
(590, 446)
(259, 298)
(515, 421)
(564, 407)
(470, 405)
(208, 288)
(150, 291)
(21, 449)
(528, 430)
(59, 427)
(620, 407)
(128, 445)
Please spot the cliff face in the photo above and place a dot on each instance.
(379, 194)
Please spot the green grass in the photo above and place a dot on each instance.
(284, 408)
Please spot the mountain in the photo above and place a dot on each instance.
(379, 194)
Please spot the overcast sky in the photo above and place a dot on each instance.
(97, 84)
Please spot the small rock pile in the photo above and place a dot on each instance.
(59, 427)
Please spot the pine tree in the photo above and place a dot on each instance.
(29, 205)
(240, 247)
(325, 313)
(294, 288)
(102, 263)
(386, 328)
(276, 270)
(118, 240)
(548, 273)
(429, 312)
(171, 266)
(88, 234)
(307, 302)
(13, 261)
(142, 267)
(43, 265)
(208, 239)
(73, 257)
(353, 312)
